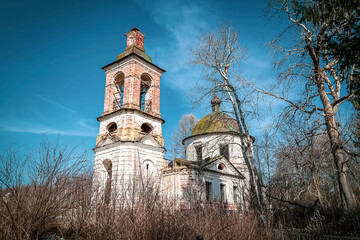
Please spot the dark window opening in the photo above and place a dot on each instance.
(222, 193)
(145, 101)
(145, 128)
(224, 150)
(148, 170)
(235, 194)
(142, 97)
(119, 91)
(112, 127)
(208, 190)
(118, 97)
(198, 153)
(221, 166)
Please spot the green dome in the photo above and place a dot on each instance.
(216, 122)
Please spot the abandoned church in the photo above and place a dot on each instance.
(130, 147)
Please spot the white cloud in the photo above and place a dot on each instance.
(78, 126)
(38, 129)
(184, 22)
(56, 104)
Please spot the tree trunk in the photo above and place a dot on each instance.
(348, 199)
(256, 193)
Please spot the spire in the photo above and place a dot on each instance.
(135, 38)
(215, 103)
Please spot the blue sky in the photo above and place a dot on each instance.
(52, 53)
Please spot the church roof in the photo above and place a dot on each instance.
(137, 51)
(216, 122)
(134, 46)
(205, 165)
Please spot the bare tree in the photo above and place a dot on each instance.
(219, 53)
(311, 81)
(264, 150)
(184, 129)
(303, 173)
(303, 187)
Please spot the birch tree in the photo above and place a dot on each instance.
(219, 54)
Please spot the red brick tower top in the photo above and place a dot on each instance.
(133, 81)
(132, 94)
(135, 38)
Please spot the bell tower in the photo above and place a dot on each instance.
(130, 136)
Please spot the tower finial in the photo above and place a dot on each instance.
(215, 103)
(135, 38)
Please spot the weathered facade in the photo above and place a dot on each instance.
(130, 139)
(130, 146)
(214, 169)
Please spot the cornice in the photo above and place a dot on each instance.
(140, 59)
(129, 110)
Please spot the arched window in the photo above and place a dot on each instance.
(145, 100)
(148, 171)
(108, 167)
(221, 166)
(111, 127)
(119, 93)
(146, 128)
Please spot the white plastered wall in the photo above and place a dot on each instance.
(128, 165)
(180, 186)
(211, 148)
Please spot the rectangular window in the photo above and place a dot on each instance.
(235, 193)
(198, 153)
(208, 190)
(222, 193)
(224, 150)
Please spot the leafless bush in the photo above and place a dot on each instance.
(47, 194)
(160, 221)
(36, 189)
(141, 211)
(303, 188)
